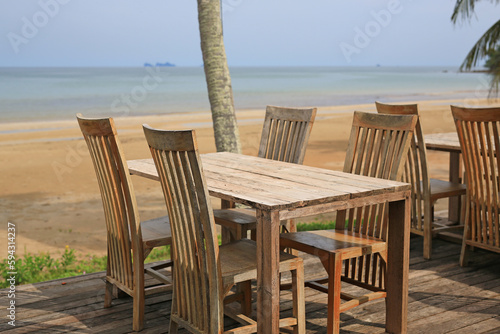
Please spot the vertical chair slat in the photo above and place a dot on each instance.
(479, 183)
(369, 152)
(361, 152)
(186, 207)
(271, 144)
(487, 181)
(493, 180)
(285, 141)
(295, 137)
(278, 140)
(495, 162)
(379, 135)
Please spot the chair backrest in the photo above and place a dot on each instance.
(378, 147)
(285, 133)
(197, 276)
(379, 144)
(118, 199)
(416, 171)
(479, 134)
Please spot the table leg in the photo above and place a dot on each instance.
(225, 233)
(398, 262)
(454, 202)
(268, 284)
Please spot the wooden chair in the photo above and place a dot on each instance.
(204, 272)
(129, 241)
(284, 137)
(479, 134)
(425, 190)
(378, 147)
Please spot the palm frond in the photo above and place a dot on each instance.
(465, 8)
(487, 43)
(494, 83)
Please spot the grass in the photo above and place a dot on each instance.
(32, 268)
(317, 225)
(41, 267)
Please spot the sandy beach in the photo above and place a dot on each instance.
(49, 191)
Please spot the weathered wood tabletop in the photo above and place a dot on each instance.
(278, 191)
(447, 142)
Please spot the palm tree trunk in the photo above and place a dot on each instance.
(220, 91)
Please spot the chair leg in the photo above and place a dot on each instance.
(173, 310)
(138, 310)
(299, 309)
(139, 295)
(334, 286)
(245, 288)
(290, 227)
(226, 235)
(467, 234)
(108, 295)
(427, 238)
(253, 234)
(463, 254)
(173, 327)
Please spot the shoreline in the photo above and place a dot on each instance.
(48, 185)
(423, 97)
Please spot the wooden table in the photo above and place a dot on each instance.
(278, 191)
(448, 142)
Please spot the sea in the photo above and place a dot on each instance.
(32, 94)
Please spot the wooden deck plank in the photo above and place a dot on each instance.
(443, 298)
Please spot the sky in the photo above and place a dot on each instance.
(256, 32)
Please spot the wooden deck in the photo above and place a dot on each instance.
(443, 298)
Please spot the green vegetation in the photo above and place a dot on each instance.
(493, 60)
(319, 225)
(487, 44)
(32, 268)
(43, 267)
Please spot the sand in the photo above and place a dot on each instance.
(48, 188)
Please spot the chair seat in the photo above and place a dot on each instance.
(239, 216)
(156, 232)
(349, 244)
(239, 261)
(445, 189)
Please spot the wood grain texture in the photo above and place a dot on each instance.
(425, 191)
(479, 135)
(285, 134)
(204, 273)
(447, 142)
(443, 298)
(125, 231)
(267, 185)
(356, 252)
